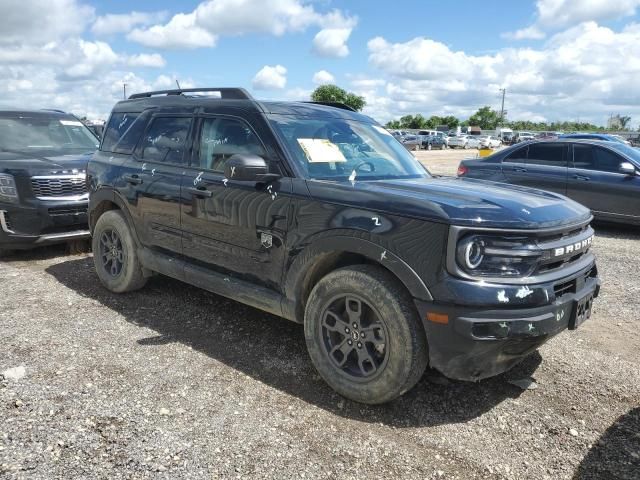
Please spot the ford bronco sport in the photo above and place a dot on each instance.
(43, 194)
(317, 214)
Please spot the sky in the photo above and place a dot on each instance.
(557, 59)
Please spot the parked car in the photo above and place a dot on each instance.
(411, 142)
(473, 141)
(319, 215)
(603, 176)
(597, 136)
(431, 142)
(523, 137)
(459, 141)
(488, 141)
(43, 194)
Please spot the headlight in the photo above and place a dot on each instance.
(489, 256)
(8, 190)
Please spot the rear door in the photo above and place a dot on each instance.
(154, 180)
(233, 227)
(595, 181)
(544, 166)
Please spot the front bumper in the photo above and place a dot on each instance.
(479, 342)
(37, 223)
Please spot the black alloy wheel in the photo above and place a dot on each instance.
(111, 252)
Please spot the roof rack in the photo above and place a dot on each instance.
(52, 110)
(336, 105)
(225, 93)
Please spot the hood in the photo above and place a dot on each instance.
(28, 164)
(457, 201)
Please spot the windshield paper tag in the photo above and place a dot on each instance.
(320, 150)
(381, 130)
(74, 123)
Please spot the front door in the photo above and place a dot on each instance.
(595, 181)
(233, 227)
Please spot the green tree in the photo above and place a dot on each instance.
(624, 121)
(394, 125)
(485, 118)
(333, 93)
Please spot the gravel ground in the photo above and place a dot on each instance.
(175, 382)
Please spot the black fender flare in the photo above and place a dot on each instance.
(112, 196)
(294, 275)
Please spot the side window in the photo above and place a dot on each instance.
(118, 125)
(583, 157)
(606, 160)
(165, 139)
(517, 156)
(549, 154)
(220, 138)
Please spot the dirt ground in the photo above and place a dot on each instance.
(175, 382)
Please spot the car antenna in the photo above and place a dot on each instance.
(178, 84)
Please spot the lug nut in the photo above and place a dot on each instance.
(346, 330)
(355, 325)
(349, 342)
(359, 345)
(362, 334)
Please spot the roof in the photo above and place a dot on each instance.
(43, 112)
(232, 98)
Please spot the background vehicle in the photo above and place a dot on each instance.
(597, 136)
(603, 176)
(431, 142)
(412, 142)
(43, 194)
(488, 141)
(523, 137)
(317, 214)
(459, 141)
(473, 141)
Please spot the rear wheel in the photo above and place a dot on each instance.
(363, 335)
(114, 254)
(465, 146)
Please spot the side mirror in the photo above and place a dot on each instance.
(248, 168)
(627, 168)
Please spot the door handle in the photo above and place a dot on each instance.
(200, 192)
(133, 179)
(581, 177)
(520, 170)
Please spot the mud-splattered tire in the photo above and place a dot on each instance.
(363, 334)
(114, 254)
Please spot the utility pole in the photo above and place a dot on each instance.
(504, 91)
(124, 90)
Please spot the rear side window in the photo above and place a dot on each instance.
(517, 156)
(550, 154)
(221, 138)
(122, 133)
(165, 140)
(588, 157)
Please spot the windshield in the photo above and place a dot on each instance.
(338, 149)
(28, 133)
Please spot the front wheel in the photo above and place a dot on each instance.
(465, 146)
(429, 147)
(114, 254)
(363, 335)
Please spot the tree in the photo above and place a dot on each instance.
(333, 93)
(485, 118)
(624, 121)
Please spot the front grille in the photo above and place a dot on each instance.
(572, 286)
(55, 187)
(60, 211)
(574, 236)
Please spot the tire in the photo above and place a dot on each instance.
(429, 147)
(381, 363)
(465, 146)
(442, 147)
(114, 254)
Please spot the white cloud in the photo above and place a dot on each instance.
(323, 77)
(586, 72)
(180, 32)
(41, 21)
(559, 14)
(212, 19)
(270, 78)
(124, 22)
(154, 60)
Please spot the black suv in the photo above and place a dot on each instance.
(43, 193)
(318, 214)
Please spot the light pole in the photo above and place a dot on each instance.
(504, 92)
(124, 90)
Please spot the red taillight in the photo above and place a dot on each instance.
(462, 170)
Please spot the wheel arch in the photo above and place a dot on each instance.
(328, 254)
(107, 199)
